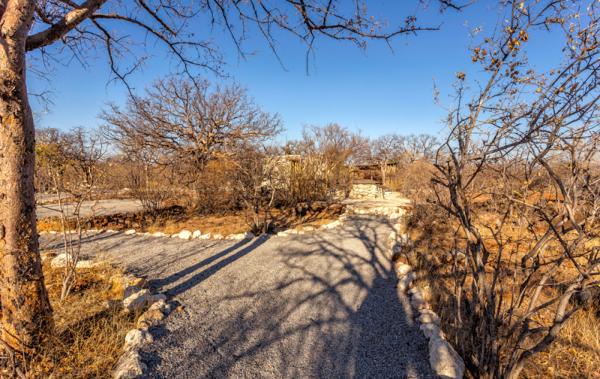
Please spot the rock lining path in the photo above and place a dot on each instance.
(319, 305)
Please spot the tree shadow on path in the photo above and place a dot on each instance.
(322, 306)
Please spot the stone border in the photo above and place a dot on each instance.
(152, 310)
(183, 234)
(188, 235)
(444, 360)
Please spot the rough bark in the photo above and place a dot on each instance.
(26, 311)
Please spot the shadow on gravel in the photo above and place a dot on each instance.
(241, 248)
(326, 307)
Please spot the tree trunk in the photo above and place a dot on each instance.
(26, 311)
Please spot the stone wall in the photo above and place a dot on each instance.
(365, 191)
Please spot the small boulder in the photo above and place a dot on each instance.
(60, 261)
(444, 360)
(185, 235)
(130, 232)
(196, 234)
(150, 318)
(136, 338)
(402, 269)
(428, 316)
(162, 306)
(431, 331)
(129, 366)
(137, 301)
(406, 282)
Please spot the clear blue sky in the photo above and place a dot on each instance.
(375, 90)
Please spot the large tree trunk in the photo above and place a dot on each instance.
(26, 311)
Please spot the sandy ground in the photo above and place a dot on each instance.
(321, 305)
(92, 208)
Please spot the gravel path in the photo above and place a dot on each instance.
(321, 305)
(92, 208)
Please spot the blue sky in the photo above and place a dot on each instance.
(375, 90)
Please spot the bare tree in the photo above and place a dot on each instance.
(51, 30)
(72, 162)
(386, 149)
(257, 183)
(523, 153)
(335, 148)
(420, 147)
(190, 123)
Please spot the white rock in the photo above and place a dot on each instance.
(150, 318)
(159, 234)
(185, 234)
(205, 236)
(162, 306)
(136, 338)
(402, 269)
(444, 360)
(60, 261)
(331, 225)
(130, 232)
(129, 366)
(138, 301)
(406, 282)
(240, 236)
(428, 316)
(196, 234)
(431, 331)
(284, 233)
(130, 290)
(417, 299)
(217, 236)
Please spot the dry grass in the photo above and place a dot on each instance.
(88, 336)
(575, 354)
(214, 224)
(48, 224)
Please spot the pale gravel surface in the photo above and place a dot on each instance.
(321, 305)
(92, 208)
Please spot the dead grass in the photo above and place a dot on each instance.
(88, 336)
(575, 354)
(214, 224)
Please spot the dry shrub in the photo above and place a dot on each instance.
(214, 189)
(88, 336)
(575, 353)
(413, 180)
